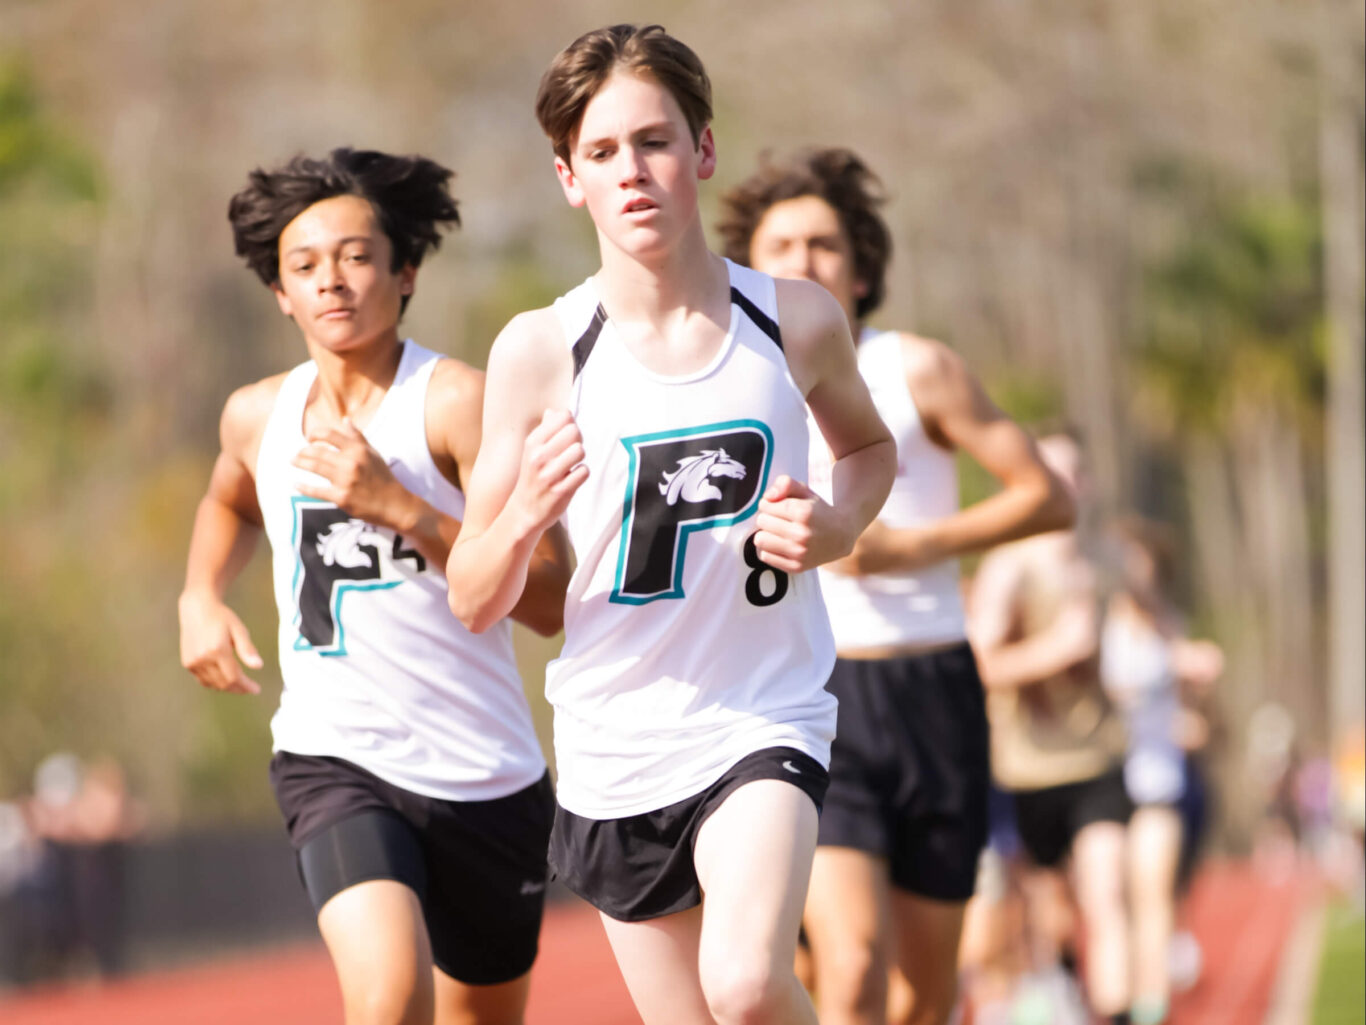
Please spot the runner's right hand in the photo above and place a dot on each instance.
(552, 469)
(212, 639)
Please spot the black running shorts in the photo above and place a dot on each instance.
(641, 867)
(478, 867)
(909, 769)
(1050, 819)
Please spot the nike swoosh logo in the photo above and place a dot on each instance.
(791, 768)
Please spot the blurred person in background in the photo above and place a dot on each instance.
(1146, 662)
(20, 856)
(1057, 743)
(84, 815)
(405, 764)
(905, 817)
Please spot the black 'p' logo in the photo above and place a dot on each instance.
(680, 482)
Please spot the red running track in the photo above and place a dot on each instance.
(1240, 917)
(575, 982)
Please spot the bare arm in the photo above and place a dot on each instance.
(227, 527)
(530, 463)
(455, 407)
(797, 530)
(957, 413)
(1007, 660)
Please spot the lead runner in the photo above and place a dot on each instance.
(661, 407)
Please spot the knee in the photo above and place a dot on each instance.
(391, 1002)
(747, 991)
(932, 999)
(853, 977)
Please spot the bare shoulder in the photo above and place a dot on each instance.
(805, 309)
(454, 412)
(814, 328)
(245, 415)
(455, 389)
(930, 362)
(531, 369)
(532, 340)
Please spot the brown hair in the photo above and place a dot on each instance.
(833, 174)
(580, 69)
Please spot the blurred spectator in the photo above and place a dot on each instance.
(20, 856)
(83, 815)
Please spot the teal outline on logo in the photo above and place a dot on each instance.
(338, 590)
(686, 527)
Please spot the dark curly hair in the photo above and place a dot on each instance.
(837, 176)
(410, 195)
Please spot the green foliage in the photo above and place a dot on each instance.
(1235, 317)
(31, 148)
(54, 403)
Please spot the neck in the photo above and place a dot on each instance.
(687, 275)
(350, 384)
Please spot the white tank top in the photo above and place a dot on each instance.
(919, 608)
(376, 668)
(1136, 670)
(683, 653)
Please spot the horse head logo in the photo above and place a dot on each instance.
(340, 544)
(691, 480)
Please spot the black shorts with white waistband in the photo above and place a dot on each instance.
(478, 868)
(641, 866)
(910, 768)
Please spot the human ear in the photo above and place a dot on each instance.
(285, 306)
(569, 183)
(706, 145)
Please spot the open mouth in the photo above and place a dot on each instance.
(638, 205)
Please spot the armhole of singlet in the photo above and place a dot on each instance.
(582, 346)
(284, 396)
(764, 289)
(427, 371)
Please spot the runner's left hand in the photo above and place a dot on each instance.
(797, 529)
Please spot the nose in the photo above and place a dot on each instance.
(799, 262)
(630, 166)
(330, 276)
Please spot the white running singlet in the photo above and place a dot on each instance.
(916, 608)
(1136, 669)
(376, 668)
(683, 652)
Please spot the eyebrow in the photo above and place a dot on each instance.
(642, 130)
(340, 242)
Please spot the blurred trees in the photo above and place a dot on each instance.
(1118, 212)
(1232, 374)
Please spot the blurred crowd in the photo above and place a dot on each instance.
(62, 871)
